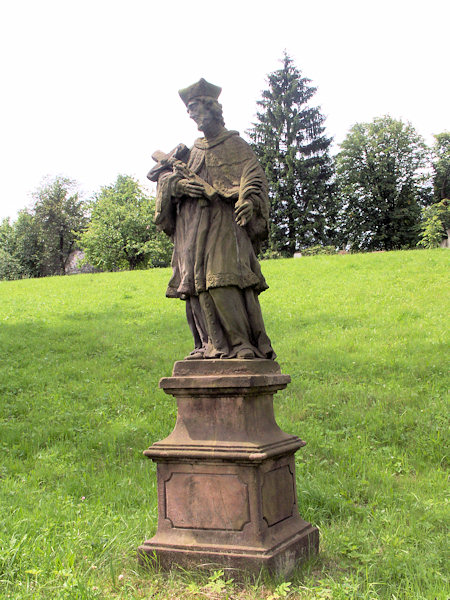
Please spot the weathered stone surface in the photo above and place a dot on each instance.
(278, 495)
(226, 474)
(225, 410)
(231, 366)
(222, 497)
(75, 264)
(212, 200)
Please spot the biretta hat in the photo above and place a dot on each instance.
(201, 88)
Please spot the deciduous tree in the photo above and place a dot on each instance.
(59, 213)
(29, 244)
(121, 233)
(23, 247)
(381, 183)
(441, 166)
(6, 235)
(435, 224)
(10, 267)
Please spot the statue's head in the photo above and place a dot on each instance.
(202, 104)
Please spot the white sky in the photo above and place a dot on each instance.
(90, 86)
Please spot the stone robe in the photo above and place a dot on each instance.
(212, 252)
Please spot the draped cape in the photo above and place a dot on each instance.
(210, 248)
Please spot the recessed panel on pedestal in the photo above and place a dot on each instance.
(206, 501)
(278, 495)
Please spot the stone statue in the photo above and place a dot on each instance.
(212, 201)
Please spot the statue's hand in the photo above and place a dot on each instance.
(186, 187)
(244, 212)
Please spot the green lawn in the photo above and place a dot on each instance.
(364, 338)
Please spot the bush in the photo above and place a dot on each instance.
(313, 250)
(269, 253)
(10, 267)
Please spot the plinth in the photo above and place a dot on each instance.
(226, 474)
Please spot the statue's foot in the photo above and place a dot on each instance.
(245, 353)
(194, 355)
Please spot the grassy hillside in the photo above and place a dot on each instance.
(364, 339)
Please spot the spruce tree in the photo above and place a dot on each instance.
(289, 140)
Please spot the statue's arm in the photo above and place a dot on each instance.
(171, 186)
(253, 202)
(165, 209)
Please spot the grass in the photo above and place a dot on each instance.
(364, 339)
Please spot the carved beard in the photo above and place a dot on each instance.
(204, 120)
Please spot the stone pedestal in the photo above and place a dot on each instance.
(226, 474)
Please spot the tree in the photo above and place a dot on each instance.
(441, 166)
(10, 267)
(435, 224)
(28, 244)
(121, 233)
(22, 246)
(381, 185)
(60, 216)
(290, 143)
(6, 235)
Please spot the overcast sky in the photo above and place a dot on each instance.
(89, 87)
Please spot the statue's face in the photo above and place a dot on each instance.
(201, 114)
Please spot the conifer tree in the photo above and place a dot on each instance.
(289, 140)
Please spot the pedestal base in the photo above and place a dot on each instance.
(279, 560)
(226, 474)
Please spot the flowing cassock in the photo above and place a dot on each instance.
(214, 261)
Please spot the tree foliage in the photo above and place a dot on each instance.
(59, 217)
(441, 166)
(121, 233)
(435, 224)
(23, 244)
(289, 141)
(39, 242)
(6, 234)
(10, 267)
(29, 245)
(381, 185)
